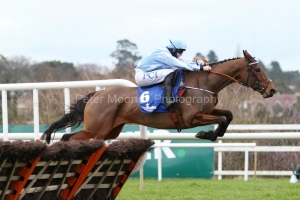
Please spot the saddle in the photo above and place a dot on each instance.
(150, 98)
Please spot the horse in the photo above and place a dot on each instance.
(104, 113)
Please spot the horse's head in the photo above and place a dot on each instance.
(256, 78)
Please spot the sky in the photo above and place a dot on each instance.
(87, 31)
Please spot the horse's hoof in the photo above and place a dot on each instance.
(200, 135)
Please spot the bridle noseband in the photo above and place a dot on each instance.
(255, 87)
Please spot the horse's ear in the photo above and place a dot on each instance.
(246, 54)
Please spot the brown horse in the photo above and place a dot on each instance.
(104, 113)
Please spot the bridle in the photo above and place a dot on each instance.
(257, 83)
(255, 87)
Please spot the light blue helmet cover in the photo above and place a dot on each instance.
(176, 43)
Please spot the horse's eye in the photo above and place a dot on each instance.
(257, 70)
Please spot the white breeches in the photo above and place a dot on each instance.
(149, 78)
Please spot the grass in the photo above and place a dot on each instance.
(212, 189)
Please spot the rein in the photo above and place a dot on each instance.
(255, 87)
(257, 82)
(234, 78)
(219, 73)
(225, 76)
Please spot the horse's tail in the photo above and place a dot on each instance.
(71, 119)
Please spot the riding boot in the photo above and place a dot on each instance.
(169, 99)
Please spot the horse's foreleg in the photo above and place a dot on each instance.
(202, 119)
(228, 115)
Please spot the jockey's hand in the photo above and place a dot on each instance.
(207, 68)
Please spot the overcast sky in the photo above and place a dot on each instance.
(86, 31)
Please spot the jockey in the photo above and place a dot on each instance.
(161, 64)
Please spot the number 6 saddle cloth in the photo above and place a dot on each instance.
(150, 98)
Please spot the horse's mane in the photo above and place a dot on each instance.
(215, 63)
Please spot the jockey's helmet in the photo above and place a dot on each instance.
(177, 43)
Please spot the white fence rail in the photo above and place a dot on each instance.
(174, 136)
(280, 131)
(51, 85)
(265, 127)
(162, 135)
(244, 146)
(227, 136)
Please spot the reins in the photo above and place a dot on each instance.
(225, 76)
(255, 87)
(204, 90)
(249, 64)
(257, 82)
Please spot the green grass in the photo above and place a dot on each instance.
(226, 189)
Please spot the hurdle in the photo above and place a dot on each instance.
(67, 170)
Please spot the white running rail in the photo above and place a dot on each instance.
(35, 87)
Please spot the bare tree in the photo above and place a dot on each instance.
(126, 55)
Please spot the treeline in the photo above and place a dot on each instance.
(22, 70)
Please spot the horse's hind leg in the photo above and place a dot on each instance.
(81, 135)
(114, 133)
(66, 137)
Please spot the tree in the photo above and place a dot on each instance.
(54, 71)
(212, 57)
(278, 78)
(276, 72)
(263, 67)
(126, 55)
(198, 55)
(13, 70)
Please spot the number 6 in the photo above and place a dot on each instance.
(144, 97)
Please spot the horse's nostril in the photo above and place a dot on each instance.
(272, 91)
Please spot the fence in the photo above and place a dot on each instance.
(142, 134)
(221, 147)
(259, 136)
(72, 170)
(52, 85)
(244, 146)
(161, 135)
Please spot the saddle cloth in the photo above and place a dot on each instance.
(150, 98)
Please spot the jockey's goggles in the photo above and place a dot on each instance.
(180, 51)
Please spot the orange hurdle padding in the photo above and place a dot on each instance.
(18, 185)
(84, 170)
(122, 179)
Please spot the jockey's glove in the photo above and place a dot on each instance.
(201, 64)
